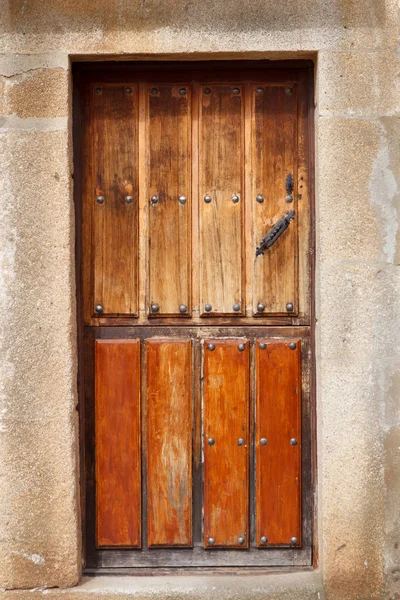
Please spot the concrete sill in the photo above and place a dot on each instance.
(276, 586)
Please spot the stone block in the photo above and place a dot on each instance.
(358, 83)
(357, 310)
(351, 396)
(39, 93)
(40, 543)
(347, 221)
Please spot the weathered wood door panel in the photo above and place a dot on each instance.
(169, 196)
(221, 162)
(278, 442)
(274, 150)
(118, 472)
(169, 442)
(114, 199)
(226, 443)
(197, 347)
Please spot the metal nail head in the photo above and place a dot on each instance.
(263, 441)
(208, 307)
(98, 91)
(155, 308)
(211, 347)
(182, 91)
(235, 198)
(294, 541)
(260, 307)
(155, 199)
(182, 308)
(240, 442)
(241, 540)
(128, 199)
(241, 347)
(260, 90)
(289, 307)
(207, 91)
(289, 91)
(236, 91)
(207, 199)
(293, 442)
(182, 199)
(211, 541)
(100, 199)
(99, 309)
(263, 539)
(263, 345)
(292, 345)
(260, 198)
(153, 91)
(128, 90)
(211, 441)
(236, 307)
(289, 198)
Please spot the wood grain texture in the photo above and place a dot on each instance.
(274, 149)
(168, 327)
(169, 178)
(278, 463)
(115, 234)
(221, 163)
(169, 442)
(117, 443)
(226, 419)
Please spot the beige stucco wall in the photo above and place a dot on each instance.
(356, 48)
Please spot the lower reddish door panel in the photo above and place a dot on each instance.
(171, 384)
(226, 443)
(278, 442)
(117, 443)
(169, 442)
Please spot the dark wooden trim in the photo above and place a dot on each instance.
(201, 571)
(116, 70)
(313, 387)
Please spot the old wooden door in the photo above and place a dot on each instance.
(194, 204)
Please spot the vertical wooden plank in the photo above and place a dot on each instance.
(87, 181)
(143, 201)
(221, 159)
(195, 201)
(226, 443)
(115, 198)
(117, 439)
(278, 443)
(305, 199)
(169, 195)
(274, 149)
(169, 442)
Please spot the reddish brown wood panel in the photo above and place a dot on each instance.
(226, 443)
(221, 199)
(115, 199)
(117, 442)
(169, 442)
(274, 150)
(278, 443)
(169, 196)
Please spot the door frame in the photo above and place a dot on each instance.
(116, 71)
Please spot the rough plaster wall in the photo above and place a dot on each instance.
(358, 333)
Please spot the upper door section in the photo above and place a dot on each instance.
(194, 193)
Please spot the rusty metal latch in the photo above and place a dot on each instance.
(276, 231)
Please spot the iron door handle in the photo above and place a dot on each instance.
(275, 233)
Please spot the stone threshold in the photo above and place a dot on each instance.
(277, 586)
